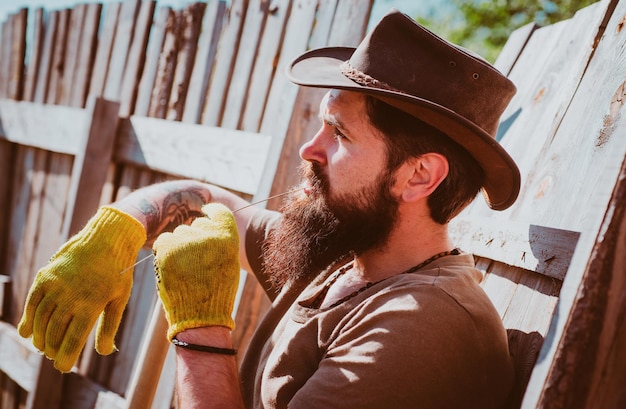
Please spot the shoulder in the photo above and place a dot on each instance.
(259, 226)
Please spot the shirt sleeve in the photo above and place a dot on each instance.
(259, 227)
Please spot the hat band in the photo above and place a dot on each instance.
(363, 79)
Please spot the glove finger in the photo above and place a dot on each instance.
(73, 343)
(108, 325)
(219, 214)
(163, 240)
(42, 318)
(55, 332)
(25, 326)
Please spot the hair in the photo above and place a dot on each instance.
(407, 136)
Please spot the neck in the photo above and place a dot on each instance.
(410, 243)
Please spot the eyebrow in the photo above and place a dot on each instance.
(332, 121)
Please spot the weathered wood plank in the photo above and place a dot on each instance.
(526, 301)
(90, 164)
(48, 387)
(18, 52)
(164, 396)
(350, 35)
(7, 167)
(513, 48)
(222, 74)
(107, 66)
(71, 58)
(500, 283)
(29, 180)
(166, 67)
(608, 376)
(233, 159)
(105, 49)
(11, 395)
(18, 357)
(45, 69)
(110, 400)
(136, 58)
(190, 27)
(265, 66)
(53, 95)
(212, 23)
(245, 62)
(323, 23)
(533, 303)
(86, 55)
(155, 44)
(124, 32)
(4, 283)
(5, 57)
(36, 52)
(54, 130)
(136, 318)
(542, 249)
(81, 392)
(151, 357)
(52, 203)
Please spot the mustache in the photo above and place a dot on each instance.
(313, 173)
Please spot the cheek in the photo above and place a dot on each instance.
(353, 174)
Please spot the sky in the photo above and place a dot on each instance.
(410, 7)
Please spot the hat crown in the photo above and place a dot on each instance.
(406, 57)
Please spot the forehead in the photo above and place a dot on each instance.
(344, 103)
(344, 107)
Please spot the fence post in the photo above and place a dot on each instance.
(88, 177)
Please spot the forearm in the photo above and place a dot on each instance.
(164, 206)
(207, 379)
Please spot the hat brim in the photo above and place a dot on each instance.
(320, 68)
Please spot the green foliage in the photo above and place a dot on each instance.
(485, 25)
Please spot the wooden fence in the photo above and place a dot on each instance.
(200, 93)
(565, 128)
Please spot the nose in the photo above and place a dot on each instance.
(314, 150)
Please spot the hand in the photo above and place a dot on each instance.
(197, 270)
(81, 282)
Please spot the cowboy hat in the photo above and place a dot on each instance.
(453, 90)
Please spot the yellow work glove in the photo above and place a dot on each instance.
(81, 282)
(197, 271)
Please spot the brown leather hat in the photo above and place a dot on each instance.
(405, 65)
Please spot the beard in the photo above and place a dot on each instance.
(318, 230)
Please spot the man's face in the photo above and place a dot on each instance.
(345, 207)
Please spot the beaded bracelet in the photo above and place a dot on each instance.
(203, 348)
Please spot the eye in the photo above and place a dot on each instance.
(337, 134)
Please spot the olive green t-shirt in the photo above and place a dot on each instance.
(429, 339)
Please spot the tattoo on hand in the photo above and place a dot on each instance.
(175, 207)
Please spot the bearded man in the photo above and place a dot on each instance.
(373, 306)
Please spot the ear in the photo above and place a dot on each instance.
(422, 175)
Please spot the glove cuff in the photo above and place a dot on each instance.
(216, 310)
